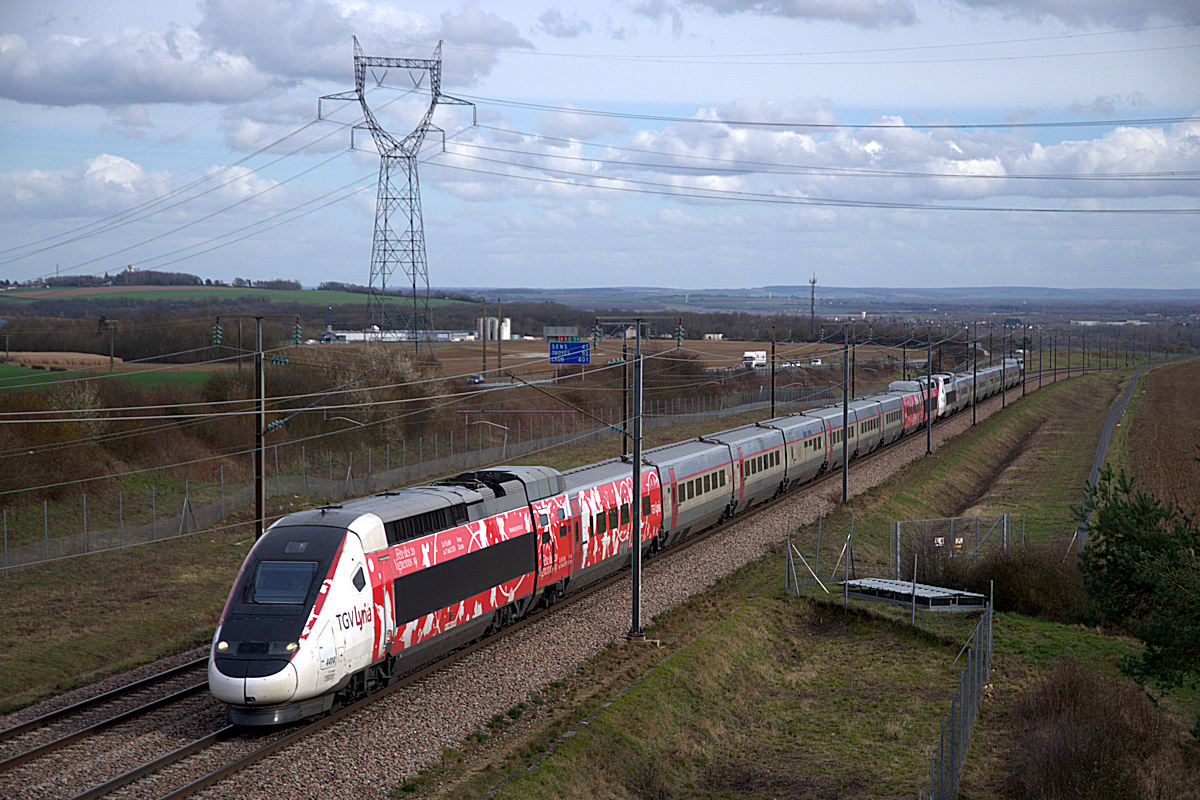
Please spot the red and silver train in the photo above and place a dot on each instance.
(336, 601)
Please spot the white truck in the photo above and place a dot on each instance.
(752, 359)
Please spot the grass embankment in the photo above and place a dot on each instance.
(756, 695)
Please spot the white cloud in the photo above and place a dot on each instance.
(238, 49)
(661, 11)
(861, 13)
(565, 26)
(581, 126)
(129, 67)
(1108, 105)
(1095, 12)
(131, 122)
(102, 185)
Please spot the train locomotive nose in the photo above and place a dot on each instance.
(259, 682)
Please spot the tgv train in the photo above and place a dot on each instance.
(336, 601)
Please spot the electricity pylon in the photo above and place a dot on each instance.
(399, 229)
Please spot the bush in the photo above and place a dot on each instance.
(1030, 579)
(1086, 734)
(1034, 580)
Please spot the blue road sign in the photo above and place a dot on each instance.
(570, 352)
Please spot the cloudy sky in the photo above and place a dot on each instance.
(679, 143)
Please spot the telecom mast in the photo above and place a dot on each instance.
(399, 230)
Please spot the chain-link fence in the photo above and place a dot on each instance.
(936, 540)
(34, 534)
(945, 765)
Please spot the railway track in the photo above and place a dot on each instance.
(57, 729)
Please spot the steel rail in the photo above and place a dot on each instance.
(150, 767)
(112, 694)
(63, 741)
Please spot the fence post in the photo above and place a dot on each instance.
(303, 469)
(222, 474)
(330, 472)
(153, 516)
(913, 622)
(120, 519)
(817, 557)
(6, 541)
(46, 525)
(387, 456)
(85, 547)
(278, 491)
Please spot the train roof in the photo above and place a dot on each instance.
(795, 425)
(745, 433)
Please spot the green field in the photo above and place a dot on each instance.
(12, 377)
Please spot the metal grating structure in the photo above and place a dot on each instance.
(399, 240)
(933, 598)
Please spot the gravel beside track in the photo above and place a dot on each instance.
(389, 742)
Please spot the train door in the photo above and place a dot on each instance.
(544, 524)
(674, 498)
(563, 542)
(741, 475)
(327, 654)
(583, 522)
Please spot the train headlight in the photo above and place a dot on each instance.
(292, 646)
(222, 646)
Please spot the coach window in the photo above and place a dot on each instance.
(625, 513)
(707, 483)
(645, 506)
(612, 519)
(722, 477)
(598, 523)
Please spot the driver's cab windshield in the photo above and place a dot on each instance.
(282, 582)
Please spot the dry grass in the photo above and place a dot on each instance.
(58, 360)
(1081, 733)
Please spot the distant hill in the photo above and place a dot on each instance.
(791, 299)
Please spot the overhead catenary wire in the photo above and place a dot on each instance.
(775, 124)
(702, 193)
(742, 166)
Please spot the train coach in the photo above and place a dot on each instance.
(336, 601)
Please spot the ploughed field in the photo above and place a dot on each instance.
(1165, 434)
